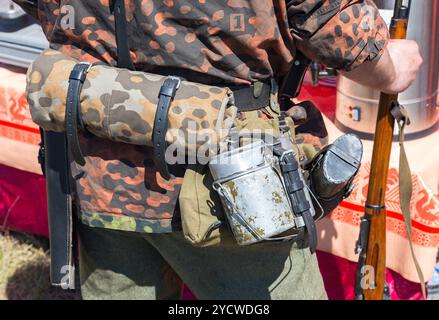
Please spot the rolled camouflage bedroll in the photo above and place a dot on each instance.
(120, 104)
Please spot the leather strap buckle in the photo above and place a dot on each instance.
(88, 64)
(166, 96)
(170, 86)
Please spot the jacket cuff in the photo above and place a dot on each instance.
(354, 35)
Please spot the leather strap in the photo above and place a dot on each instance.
(405, 186)
(73, 114)
(295, 187)
(166, 95)
(123, 52)
(59, 205)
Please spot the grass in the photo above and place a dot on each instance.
(24, 269)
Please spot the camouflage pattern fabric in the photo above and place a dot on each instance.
(222, 42)
(226, 41)
(353, 32)
(127, 193)
(120, 105)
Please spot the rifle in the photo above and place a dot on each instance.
(371, 244)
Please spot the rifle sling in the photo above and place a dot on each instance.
(405, 186)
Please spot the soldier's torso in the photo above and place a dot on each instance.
(232, 41)
(215, 42)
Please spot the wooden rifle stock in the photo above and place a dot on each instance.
(372, 242)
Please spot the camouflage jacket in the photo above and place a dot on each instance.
(214, 42)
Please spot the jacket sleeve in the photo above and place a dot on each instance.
(341, 34)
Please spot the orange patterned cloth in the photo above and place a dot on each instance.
(339, 232)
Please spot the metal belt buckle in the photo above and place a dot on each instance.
(87, 64)
(170, 86)
(175, 79)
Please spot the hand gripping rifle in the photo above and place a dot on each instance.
(371, 245)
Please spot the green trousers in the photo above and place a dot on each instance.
(127, 265)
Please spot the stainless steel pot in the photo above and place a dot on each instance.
(357, 105)
(10, 10)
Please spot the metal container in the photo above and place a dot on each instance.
(252, 193)
(357, 105)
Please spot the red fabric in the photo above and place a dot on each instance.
(339, 277)
(23, 201)
(322, 96)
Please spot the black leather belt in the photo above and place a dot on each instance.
(252, 97)
(295, 187)
(73, 107)
(166, 95)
